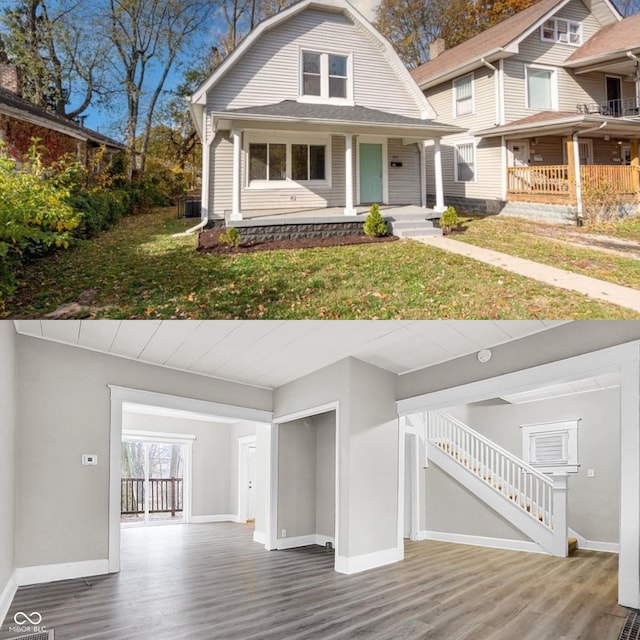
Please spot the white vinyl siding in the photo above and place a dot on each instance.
(465, 162)
(404, 181)
(463, 96)
(270, 71)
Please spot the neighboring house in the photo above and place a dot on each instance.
(22, 121)
(550, 102)
(313, 109)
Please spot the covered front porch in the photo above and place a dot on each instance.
(315, 161)
(569, 159)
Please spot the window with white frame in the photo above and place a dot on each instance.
(561, 30)
(541, 88)
(465, 162)
(273, 163)
(325, 76)
(551, 447)
(463, 95)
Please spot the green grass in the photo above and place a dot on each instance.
(140, 271)
(519, 238)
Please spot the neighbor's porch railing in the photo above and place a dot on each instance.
(551, 183)
(165, 495)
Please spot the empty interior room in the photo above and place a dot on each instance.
(284, 479)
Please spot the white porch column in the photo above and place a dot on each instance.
(236, 214)
(577, 176)
(348, 178)
(437, 165)
(206, 167)
(423, 175)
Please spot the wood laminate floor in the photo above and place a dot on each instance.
(210, 582)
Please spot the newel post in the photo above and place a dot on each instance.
(560, 519)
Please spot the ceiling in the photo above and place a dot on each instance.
(270, 353)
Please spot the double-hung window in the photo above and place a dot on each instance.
(325, 77)
(562, 31)
(541, 88)
(307, 162)
(465, 162)
(463, 95)
(267, 161)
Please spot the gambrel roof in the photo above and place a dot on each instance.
(499, 41)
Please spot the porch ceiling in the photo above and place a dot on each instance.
(269, 353)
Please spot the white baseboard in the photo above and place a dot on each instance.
(482, 541)
(225, 517)
(260, 537)
(6, 597)
(303, 541)
(355, 564)
(64, 571)
(594, 545)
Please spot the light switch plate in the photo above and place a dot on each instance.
(591, 473)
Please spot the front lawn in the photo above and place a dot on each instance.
(548, 244)
(138, 270)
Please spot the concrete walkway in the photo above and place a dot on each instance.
(597, 289)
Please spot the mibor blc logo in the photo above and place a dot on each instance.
(27, 622)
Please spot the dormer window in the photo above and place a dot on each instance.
(562, 31)
(325, 77)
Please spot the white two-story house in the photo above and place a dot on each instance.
(549, 99)
(313, 109)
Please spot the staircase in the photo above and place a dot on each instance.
(534, 503)
(411, 225)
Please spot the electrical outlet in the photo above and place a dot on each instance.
(283, 533)
(89, 458)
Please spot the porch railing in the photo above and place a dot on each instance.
(551, 183)
(622, 108)
(165, 495)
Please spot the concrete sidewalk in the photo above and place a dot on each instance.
(597, 289)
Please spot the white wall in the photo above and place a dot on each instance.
(7, 460)
(63, 412)
(594, 510)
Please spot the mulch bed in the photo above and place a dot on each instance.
(209, 242)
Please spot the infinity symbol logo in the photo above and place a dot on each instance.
(22, 618)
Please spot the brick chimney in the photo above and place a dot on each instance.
(436, 48)
(10, 78)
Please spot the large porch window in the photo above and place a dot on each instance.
(282, 162)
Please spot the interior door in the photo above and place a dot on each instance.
(370, 173)
(251, 490)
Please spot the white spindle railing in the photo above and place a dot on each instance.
(507, 474)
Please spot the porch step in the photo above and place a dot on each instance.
(572, 545)
(556, 213)
(412, 227)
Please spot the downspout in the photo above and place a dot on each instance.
(576, 164)
(637, 82)
(206, 155)
(496, 87)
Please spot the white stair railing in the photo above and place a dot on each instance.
(501, 470)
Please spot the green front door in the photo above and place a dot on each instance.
(370, 173)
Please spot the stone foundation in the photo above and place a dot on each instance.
(469, 205)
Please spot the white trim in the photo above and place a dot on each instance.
(427, 112)
(121, 395)
(503, 162)
(554, 86)
(156, 436)
(6, 596)
(383, 142)
(260, 537)
(324, 97)
(454, 93)
(556, 38)
(64, 571)
(501, 108)
(225, 517)
(304, 541)
(355, 564)
(482, 541)
(593, 545)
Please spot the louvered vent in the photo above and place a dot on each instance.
(41, 635)
(631, 629)
(549, 448)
